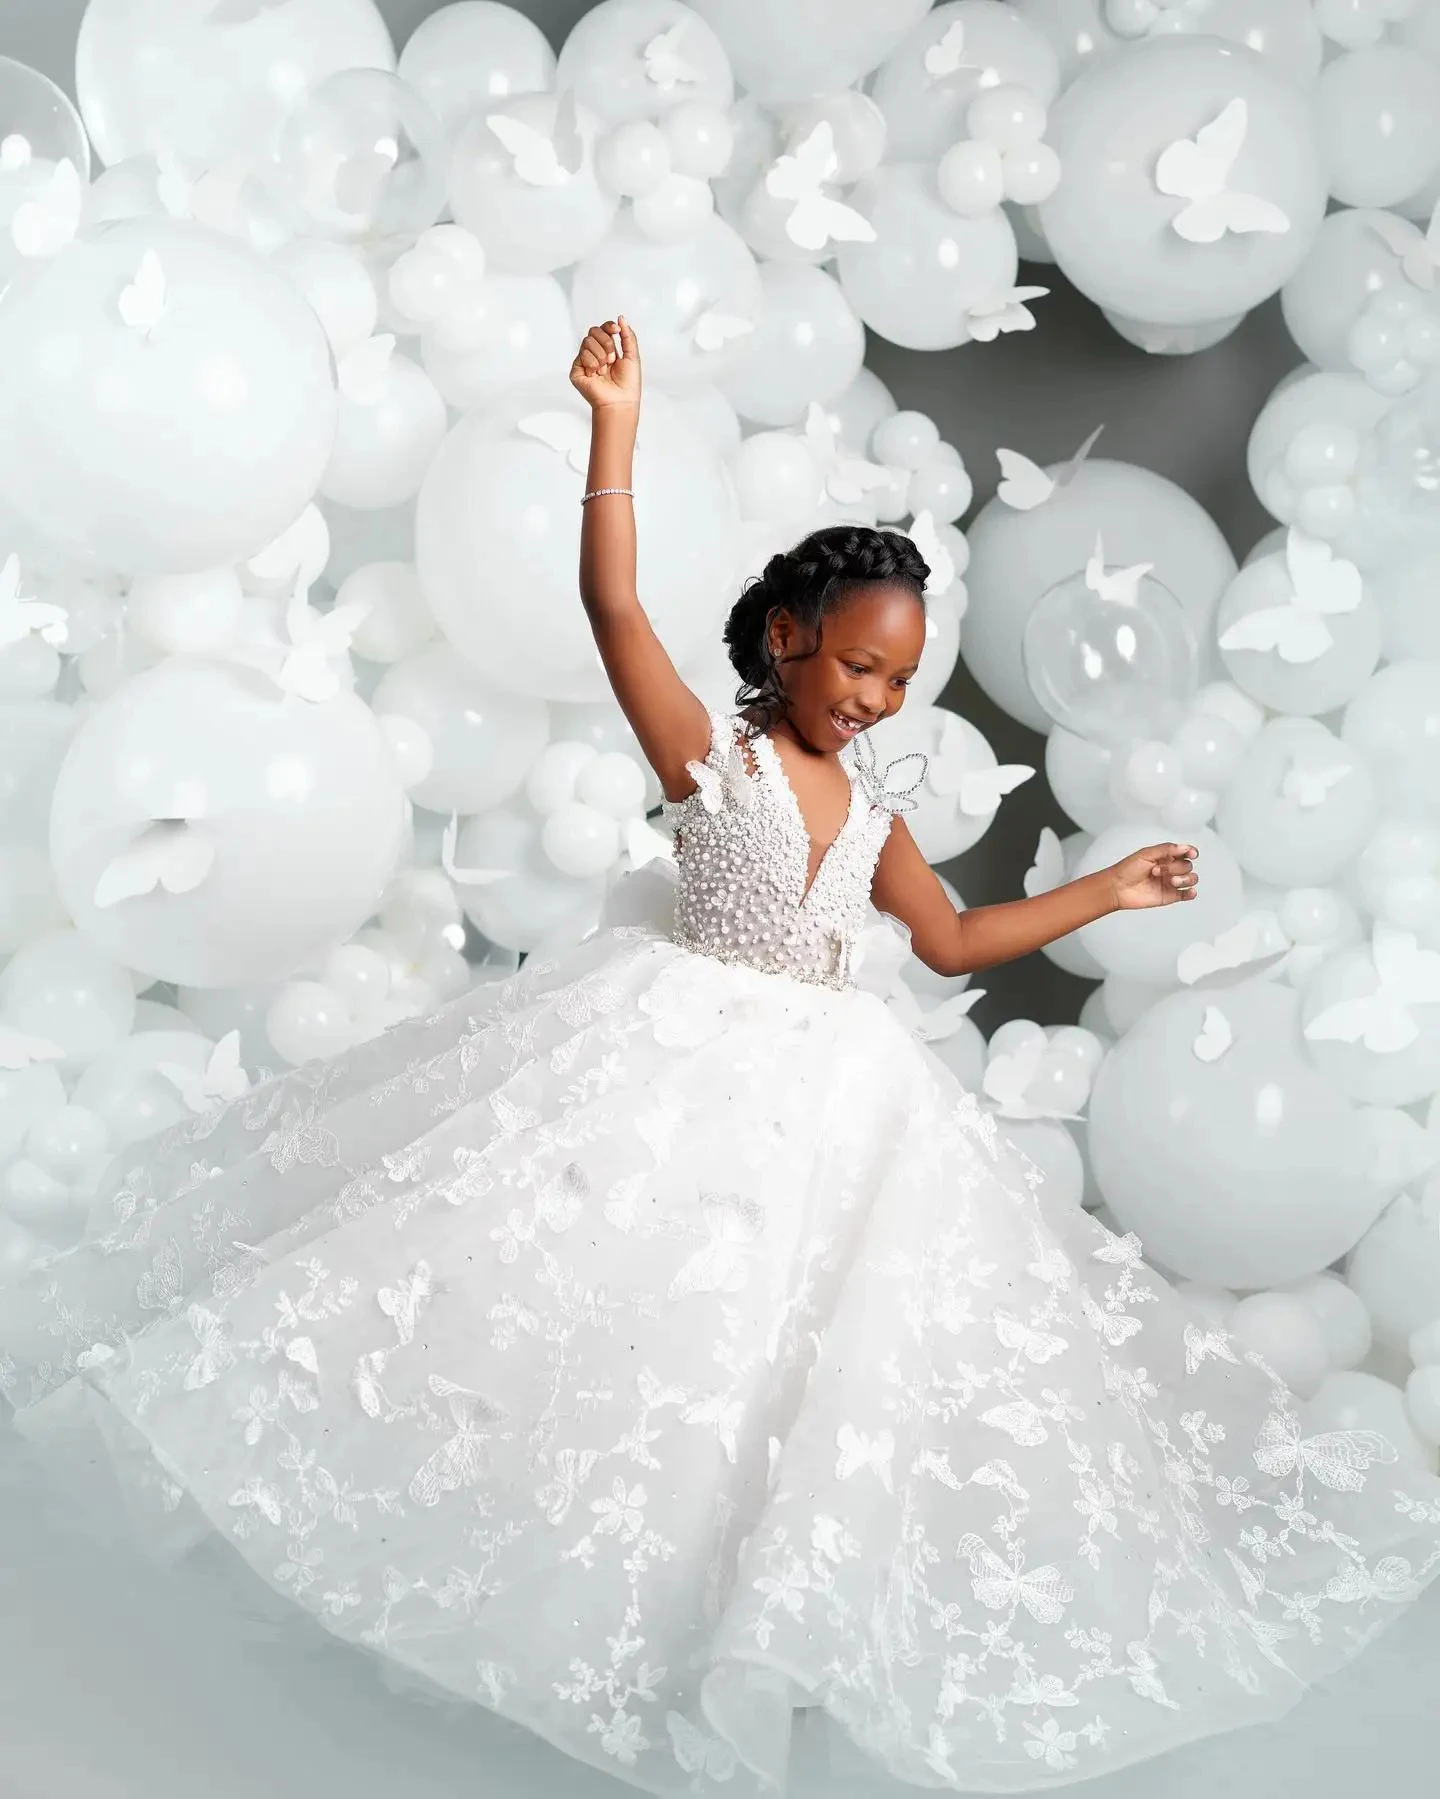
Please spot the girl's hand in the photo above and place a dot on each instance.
(602, 375)
(1155, 877)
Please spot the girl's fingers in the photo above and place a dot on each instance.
(627, 337)
(602, 346)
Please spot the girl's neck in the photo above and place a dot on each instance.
(782, 727)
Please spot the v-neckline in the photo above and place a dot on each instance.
(768, 760)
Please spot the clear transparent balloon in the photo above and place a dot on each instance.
(1109, 669)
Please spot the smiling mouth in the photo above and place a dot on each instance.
(848, 727)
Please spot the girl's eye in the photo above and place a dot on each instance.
(856, 669)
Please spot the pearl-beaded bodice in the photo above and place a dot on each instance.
(744, 859)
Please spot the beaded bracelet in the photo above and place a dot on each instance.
(599, 491)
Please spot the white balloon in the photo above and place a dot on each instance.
(307, 1021)
(1391, 1076)
(385, 439)
(482, 738)
(776, 477)
(463, 57)
(1281, 1329)
(1263, 1158)
(1348, 264)
(634, 158)
(204, 436)
(396, 621)
(336, 282)
(1298, 807)
(1340, 1312)
(1394, 723)
(522, 333)
(700, 138)
(1352, 1401)
(807, 47)
(928, 269)
(162, 72)
(64, 989)
(580, 840)
(29, 903)
(1377, 110)
(1017, 556)
(942, 649)
(1144, 945)
(300, 804)
(613, 783)
(1395, 1269)
(1111, 227)
(609, 62)
(555, 774)
(182, 615)
(807, 345)
(533, 902)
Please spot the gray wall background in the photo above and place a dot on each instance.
(1187, 418)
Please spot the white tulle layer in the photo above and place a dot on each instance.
(650, 1347)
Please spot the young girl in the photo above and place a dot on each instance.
(662, 1348)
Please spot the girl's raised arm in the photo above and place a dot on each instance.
(669, 720)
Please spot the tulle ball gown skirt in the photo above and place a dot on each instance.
(653, 1350)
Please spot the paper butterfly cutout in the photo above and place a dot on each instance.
(1309, 784)
(218, 1083)
(210, 198)
(298, 554)
(1025, 485)
(1005, 311)
(44, 225)
(733, 780)
(143, 304)
(932, 547)
(946, 56)
(20, 1050)
(1320, 582)
(892, 789)
(317, 641)
(465, 877)
(170, 853)
(1215, 1036)
(20, 615)
(1047, 871)
(1120, 586)
(1009, 1076)
(714, 328)
(979, 790)
(1383, 1021)
(1196, 171)
(847, 478)
(563, 432)
(364, 374)
(815, 219)
(541, 160)
(1419, 252)
(1254, 943)
(664, 63)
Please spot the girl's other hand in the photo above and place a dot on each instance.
(1155, 877)
(604, 375)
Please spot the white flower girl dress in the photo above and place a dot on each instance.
(662, 1344)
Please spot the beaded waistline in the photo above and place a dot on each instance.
(837, 980)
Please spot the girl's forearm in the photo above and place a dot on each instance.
(607, 527)
(992, 934)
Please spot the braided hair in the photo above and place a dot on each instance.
(809, 582)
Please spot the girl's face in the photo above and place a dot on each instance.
(869, 649)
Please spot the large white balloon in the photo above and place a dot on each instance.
(803, 47)
(1378, 106)
(807, 345)
(608, 62)
(1132, 247)
(1016, 556)
(65, 989)
(166, 398)
(1394, 723)
(469, 54)
(1143, 946)
(522, 332)
(166, 73)
(1298, 807)
(497, 539)
(291, 812)
(1275, 650)
(1243, 1170)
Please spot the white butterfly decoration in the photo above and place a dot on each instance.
(1009, 1077)
(1196, 170)
(733, 780)
(937, 1024)
(1004, 311)
(297, 556)
(217, 1084)
(1337, 1458)
(946, 56)
(465, 877)
(317, 641)
(1309, 784)
(1406, 976)
(1044, 1592)
(847, 478)
(20, 615)
(1419, 252)
(16, 152)
(144, 303)
(44, 225)
(401, 1304)
(714, 329)
(1255, 942)
(893, 788)
(210, 198)
(859, 1450)
(1321, 583)
(18, 1049)
(815, 219)
(541, 160)
(665, 62)
(937, 557)
(978, 791)
(1047, 871)
(696, 1752)
(1120, 586)
(1024, 485)
(364, 374)
(644, 844)
(171, 853)
(566, 433)
(1215, 1036)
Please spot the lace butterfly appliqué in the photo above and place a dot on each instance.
(894, 787)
